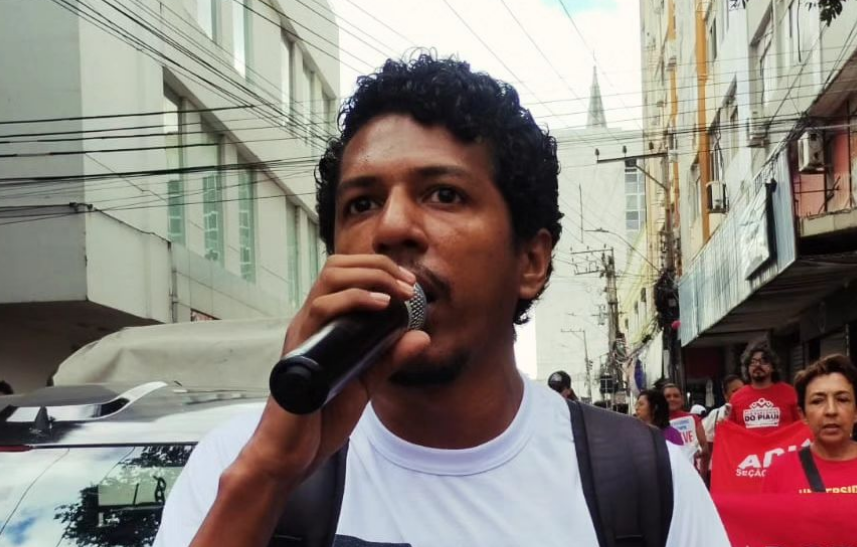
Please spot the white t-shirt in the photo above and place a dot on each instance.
(521, 488)
(715, 417)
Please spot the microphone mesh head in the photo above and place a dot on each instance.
(417, 308)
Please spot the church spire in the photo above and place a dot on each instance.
(596, 107)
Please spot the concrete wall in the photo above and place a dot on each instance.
(110, 247)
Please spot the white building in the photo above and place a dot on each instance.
(160, 167)
(755, 105)
(603, 206)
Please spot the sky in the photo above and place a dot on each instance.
(546, 48)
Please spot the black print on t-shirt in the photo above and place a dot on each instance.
(349, 541)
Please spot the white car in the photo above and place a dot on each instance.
(90, 461)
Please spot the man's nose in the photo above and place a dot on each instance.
(399, 225)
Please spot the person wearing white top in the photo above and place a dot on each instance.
(730, 384)
(439, 176)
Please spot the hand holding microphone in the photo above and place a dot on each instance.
(308, 377)
(288, 444)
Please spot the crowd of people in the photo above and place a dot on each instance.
(823, 397)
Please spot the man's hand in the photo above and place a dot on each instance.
(290, 446)
(286, 448)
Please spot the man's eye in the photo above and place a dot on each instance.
(358, 205)
(446, 195)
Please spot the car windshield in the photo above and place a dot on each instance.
(86, 496)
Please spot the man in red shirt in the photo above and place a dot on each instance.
(766, 403)
(827, 402)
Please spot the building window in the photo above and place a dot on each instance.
(293, 253)
(734, 124)
(794, 47)
(212, 199)
(206, 16)
(712, 40)
(307, 98)
(247, 223)
(241, 37)
(312, 247)
(715, 155)
(286, 79)
(175, 161)
(693, 195)
(635, 198)
(766, 66)
(326, 117)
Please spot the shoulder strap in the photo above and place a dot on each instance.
(811, 470)
(312, 511)
(625, 475)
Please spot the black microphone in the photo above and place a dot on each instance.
(305, 379)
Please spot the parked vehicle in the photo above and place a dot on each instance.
(92, 465)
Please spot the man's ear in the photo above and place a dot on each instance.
(535, 258)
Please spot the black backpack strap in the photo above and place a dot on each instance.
(626, 477)
(811, 470)
(312, 511)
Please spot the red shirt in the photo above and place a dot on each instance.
(786, 476)
(770, 407)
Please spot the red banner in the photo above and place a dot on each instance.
(742, 455)
(788, 520)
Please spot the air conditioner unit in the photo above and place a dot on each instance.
(757, 130)
(716, 193)
(810, 152)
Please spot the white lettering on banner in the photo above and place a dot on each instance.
(755, 466)
(762, 413)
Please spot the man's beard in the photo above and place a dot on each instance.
(760, 376)
(423, 373)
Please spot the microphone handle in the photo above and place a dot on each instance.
(304, 380)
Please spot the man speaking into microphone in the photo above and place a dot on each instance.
(439, 178)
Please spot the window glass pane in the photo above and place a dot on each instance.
(213, 217)
(174, 154)
(206, 17)
(286, 78)
(70, 497)
(312, 247)
(247, 223)
(306, 111)
(239, 44)
(293, 222)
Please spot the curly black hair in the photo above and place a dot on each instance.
(474, 107)
(768, 354)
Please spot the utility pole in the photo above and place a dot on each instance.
(609, 272)
(586, 361)
(607, 269)
(671, 367)
(616, 354)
